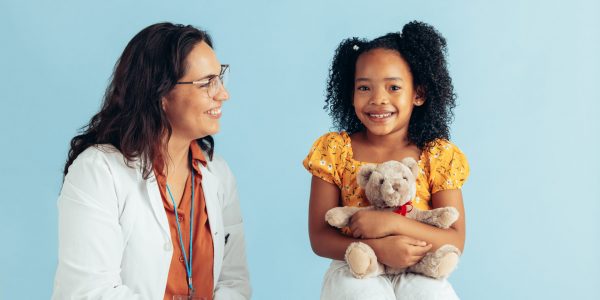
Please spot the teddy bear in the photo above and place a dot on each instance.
(390, 186)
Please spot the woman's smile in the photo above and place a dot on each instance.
(214, 113)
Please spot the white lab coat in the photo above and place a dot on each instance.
(114, 237)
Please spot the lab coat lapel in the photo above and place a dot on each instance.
(210, 186)
(157, 204)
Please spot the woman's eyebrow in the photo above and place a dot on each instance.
(206, 77)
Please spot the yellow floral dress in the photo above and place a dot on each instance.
(442, 167)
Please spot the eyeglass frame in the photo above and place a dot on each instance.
(206, 82)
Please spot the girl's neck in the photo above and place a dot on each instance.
(368, 147)
(394, 140)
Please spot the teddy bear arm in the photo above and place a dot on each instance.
(442, 217)
(340, 216)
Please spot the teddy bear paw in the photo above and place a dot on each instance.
(447, 217)
(447, 264)
(336, 217)
(362, 261)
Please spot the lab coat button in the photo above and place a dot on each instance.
(168, 246)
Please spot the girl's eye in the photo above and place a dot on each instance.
(395, 88)
(363, 88)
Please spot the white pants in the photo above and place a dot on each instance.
(340, 284)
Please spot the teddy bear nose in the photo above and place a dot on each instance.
(388, 188)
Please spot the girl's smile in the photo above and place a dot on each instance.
(380, 116)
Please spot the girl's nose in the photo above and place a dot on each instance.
(379, 97)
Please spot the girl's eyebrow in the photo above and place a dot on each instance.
(386, 79)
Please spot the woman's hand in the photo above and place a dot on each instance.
(399, 251)
(372, 224)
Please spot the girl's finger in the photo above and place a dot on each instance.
(421, 250)
(415, 242)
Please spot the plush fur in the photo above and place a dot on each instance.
(388, 186)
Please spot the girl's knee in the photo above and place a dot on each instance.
(340, 284)
(413, 286)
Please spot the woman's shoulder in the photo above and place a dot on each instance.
(217, 163)
(100, 153)
(103, 158)
(219, 167)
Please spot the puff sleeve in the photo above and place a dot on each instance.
(449, 167)
(326, 158)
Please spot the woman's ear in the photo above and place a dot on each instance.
(419, 96)
(163, 103)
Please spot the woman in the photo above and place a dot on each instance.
(142, 179)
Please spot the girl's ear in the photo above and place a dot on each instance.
(419, 96)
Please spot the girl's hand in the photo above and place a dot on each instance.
(371, 224)
(399, 251)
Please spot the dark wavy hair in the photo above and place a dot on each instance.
(424, 49)
(131, 118)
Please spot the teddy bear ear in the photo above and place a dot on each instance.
(412, 164)
(364, 174)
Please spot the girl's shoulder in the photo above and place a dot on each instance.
(442, 149)
(447, 165)
(328, 156)
(334, 138)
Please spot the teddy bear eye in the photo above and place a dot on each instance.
(380, 181)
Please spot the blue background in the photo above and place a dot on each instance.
(526, 74)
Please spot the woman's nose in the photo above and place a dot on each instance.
(222, 95)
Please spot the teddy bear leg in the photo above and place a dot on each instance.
(362, 261)
(438, 264)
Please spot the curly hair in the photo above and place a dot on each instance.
(424, 49)
(131, 118)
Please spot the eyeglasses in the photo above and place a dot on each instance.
(212, 84)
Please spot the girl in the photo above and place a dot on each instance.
(392, 98)
(147, 210)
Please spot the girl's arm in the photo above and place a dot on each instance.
(326, 241)
(368, 224)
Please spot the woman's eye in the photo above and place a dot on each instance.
(363, 88)
(395, 88)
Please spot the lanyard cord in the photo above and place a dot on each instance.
(188, 263)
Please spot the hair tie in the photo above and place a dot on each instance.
(355, 47)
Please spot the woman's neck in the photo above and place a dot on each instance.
(177, 154)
